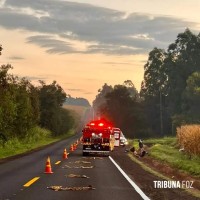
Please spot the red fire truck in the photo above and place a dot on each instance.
(97, 138)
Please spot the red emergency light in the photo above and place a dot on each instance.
(101, 124)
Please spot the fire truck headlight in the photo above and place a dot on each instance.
(93, 134)
(100, 134)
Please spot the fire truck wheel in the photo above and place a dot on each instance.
(85, 153)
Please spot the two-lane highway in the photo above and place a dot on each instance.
(14, 174)
(103, 175)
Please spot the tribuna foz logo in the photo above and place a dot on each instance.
(173, 184)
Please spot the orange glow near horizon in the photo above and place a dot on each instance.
(80, 75)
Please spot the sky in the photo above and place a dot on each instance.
(83, 44)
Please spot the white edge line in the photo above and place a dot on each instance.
(138, 190)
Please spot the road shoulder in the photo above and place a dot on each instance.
(145, 180)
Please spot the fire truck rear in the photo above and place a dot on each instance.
(97, 138)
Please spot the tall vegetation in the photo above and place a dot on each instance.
(24, 107)
(18, 104)
(52, 115)
(170, 88)
(120, 104)
(188, 138)
(169, 95)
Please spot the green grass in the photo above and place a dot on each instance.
(195, 193)
(165, 141)
(166, 150)
(36, 137)
(146, 168)
(179, 160)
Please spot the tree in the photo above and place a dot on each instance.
(183, 59)
(165, 79)
(132, 90)
(52, 116)
(191, 99)
(153, 90)
(27, 109)
(121, 109)
(18, 107)
(100, 98)
(154, 74)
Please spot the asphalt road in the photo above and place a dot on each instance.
(103, 175)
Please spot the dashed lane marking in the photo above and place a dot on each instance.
(57, 163)
(138, 190)
(31, 181)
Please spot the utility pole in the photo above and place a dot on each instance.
(161, 113)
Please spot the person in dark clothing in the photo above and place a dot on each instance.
(141, 146)
(140, 143)
(134, 152)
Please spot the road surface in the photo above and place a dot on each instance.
(104, 177)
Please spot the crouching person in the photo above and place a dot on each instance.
(135, 153)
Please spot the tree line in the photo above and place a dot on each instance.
(24, 106)
(169, 95)
(78, 101)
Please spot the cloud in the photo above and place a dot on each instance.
(34, 78)
(76, 90)
(116, 63)
(15, 58)
(88, 93)
(62, 25)
(79, 90)
(52, 45)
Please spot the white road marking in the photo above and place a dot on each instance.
(138, 190)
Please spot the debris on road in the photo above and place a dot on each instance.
(78, 167)
(55, 188)
(77, 176)
(93, 158)
(84, 167)
(60, 188)
(83, 162)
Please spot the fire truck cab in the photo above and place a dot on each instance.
(97, 138)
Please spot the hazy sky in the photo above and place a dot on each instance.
(84, 44)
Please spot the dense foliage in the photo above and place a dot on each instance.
(24, 106)
(172, 83)
(169, 96)
(52, 115)
(120, 105)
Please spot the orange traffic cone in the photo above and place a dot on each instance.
(71, 147)
(65, 154)
(48, 167)
(81, 140)
(75, 146)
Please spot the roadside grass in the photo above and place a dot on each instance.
(165, 141)
(193, 192)
(146, 168)
(36, 137)
(179, 160)
(166, 150)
